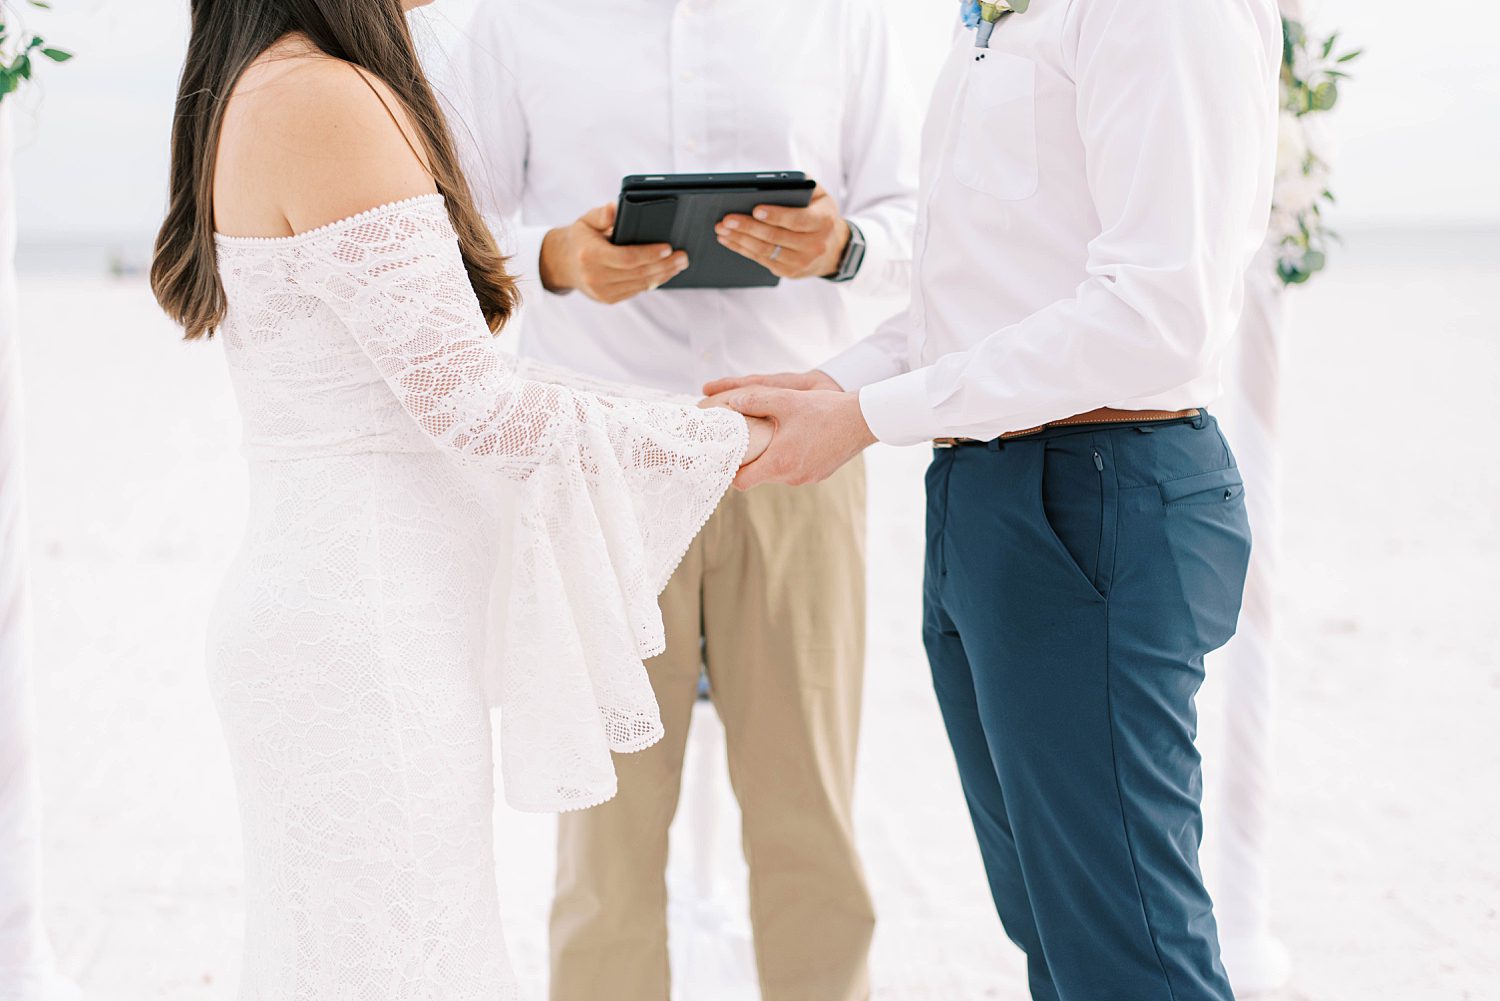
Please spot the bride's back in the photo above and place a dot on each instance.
(311, 149)
(307, 140)
(295, 115)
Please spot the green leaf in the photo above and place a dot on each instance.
(22, 67)
(1349, 57)
(8, 82)
(1325, 95)
(42, 4)
(1288, 41)
(57, 55)
(1290, 273)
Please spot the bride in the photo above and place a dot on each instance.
(433, 529)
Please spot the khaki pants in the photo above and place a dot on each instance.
(770, 598)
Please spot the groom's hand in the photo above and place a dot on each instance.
(817, 431)
(580, 256)
(781, 380)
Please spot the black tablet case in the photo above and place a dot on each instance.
(683, 209)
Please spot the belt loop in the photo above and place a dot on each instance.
(1200, 420)
(995, 444)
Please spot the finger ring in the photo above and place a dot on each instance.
(775, 252)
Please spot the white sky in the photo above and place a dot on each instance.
(1418, 132)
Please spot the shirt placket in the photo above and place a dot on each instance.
(692, 30)
(690, 115)
(917, 335)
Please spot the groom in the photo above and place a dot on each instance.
(1095, 183)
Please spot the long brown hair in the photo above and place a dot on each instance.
(229, 35)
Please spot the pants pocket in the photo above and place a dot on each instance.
(1217, 486)
(1077, 509)
(1208, 534)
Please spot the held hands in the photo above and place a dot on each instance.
(761, 433)
(817, 426)
(812, 240)
(580, 256)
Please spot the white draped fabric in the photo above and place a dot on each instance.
(1238, 697)
(26, 967)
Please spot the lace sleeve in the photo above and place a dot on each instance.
(395, 277)
(608, 493)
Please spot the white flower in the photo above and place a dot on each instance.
(1318, 139)
(1283, 226)
(1297, 193)
(1291, 146)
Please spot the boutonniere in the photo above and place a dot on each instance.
(984, 16)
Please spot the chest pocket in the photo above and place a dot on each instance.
(996, 149)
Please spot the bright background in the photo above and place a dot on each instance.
(1419, 130)
(1386, 869)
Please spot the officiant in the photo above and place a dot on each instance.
(770, 599)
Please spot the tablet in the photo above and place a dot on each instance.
(682, 210)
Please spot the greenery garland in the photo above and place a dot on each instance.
(18, 47)
(1311, 71)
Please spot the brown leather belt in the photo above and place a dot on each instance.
(1104, 415)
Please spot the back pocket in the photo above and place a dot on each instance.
(1216, 486)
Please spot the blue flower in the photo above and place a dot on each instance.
(970, 13)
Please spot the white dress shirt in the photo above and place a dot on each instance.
(1094, 186)
(563, 100)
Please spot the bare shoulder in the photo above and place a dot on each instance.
(317, 140)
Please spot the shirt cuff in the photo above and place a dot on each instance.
(524, 246)
(897, 409)
(859, 366)
(886, 268)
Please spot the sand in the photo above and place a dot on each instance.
(1386, 860)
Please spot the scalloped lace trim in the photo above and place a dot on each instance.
(359, 217)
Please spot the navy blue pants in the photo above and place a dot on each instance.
(1075, 579)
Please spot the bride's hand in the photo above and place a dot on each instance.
(761, 432)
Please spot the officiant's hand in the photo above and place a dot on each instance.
(816, 432)
(580, 256)
(811, 240)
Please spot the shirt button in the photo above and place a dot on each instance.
(690, 146)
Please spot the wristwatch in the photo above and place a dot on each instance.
(854, 256)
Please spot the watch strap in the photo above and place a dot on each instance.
(854, 256)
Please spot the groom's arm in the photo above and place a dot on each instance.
(1176, 109)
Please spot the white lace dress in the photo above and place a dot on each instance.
(433, 530)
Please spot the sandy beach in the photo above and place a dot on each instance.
(1386, 858)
